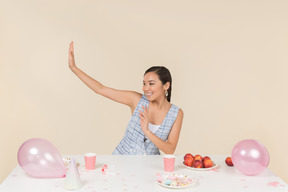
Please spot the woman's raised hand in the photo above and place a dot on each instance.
(144, 121)
(71, 59)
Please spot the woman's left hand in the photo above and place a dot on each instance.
(144, 121)
(71, 59)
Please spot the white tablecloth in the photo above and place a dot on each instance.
(138, 173)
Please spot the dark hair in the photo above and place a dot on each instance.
(164, 76)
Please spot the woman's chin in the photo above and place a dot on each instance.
(149, 98)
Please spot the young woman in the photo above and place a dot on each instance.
(155, 123)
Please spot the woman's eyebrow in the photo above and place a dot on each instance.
(150, 81)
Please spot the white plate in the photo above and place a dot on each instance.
(193, 182)
(201, 169)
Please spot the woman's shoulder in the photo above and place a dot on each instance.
(177, 110)
(142, 100)
(175, 106)
(180, 112)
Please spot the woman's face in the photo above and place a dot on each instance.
(153, 87)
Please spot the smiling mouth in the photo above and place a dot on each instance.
(148, 94)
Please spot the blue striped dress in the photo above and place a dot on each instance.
(133, 141)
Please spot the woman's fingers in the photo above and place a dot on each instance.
(144, 113)
(71, 54)
(145, 110)
(71, 49)
(141, 115)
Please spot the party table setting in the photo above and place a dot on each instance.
(44, 169)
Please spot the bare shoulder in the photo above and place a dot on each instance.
(136, 97)
(180, 114)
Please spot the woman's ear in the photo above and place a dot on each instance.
(167, 86)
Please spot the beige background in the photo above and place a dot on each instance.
(228, 60)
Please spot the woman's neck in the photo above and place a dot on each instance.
(161, 103)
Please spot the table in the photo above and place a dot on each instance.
(138, 173)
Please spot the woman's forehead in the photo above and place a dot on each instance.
(151, 76)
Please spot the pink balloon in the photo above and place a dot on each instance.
(40, 158)
(250, 157)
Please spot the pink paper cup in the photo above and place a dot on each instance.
(169, 161)
(90, 160)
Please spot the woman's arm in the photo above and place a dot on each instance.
(169, 146)
(129, 98)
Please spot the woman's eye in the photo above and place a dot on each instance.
(151, 83)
